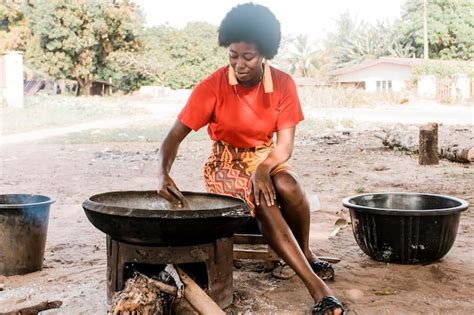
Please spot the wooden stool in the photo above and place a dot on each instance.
(250, 244)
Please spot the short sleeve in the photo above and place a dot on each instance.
(289, 107)
(199, 108)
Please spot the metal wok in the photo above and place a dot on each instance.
(145, 218)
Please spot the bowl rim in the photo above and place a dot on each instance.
(49, 200)
(240, 210)
(463, 205)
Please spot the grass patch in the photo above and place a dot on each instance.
(151, 133)
(43, 111)
(360, 190)
(311, 125)
(157, 132)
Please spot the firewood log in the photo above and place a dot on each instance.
(35, 309)
(142, 295)
(196, 296)
(406, 142)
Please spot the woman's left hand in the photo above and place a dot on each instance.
(262, 183)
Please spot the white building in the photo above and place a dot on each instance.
(392, 74)
(383, 74)
(11, 78)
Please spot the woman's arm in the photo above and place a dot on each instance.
(261, 180)
(166, 157)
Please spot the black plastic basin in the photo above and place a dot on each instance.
(144, 217)
(406, 228)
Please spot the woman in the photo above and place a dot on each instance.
(243, 105)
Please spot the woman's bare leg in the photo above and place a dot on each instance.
(280, 237)
(295, 209)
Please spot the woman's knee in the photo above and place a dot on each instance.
(287, 187)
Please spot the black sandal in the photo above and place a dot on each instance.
(325, 304)
(323, 269)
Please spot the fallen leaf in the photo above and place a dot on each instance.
(387, 291)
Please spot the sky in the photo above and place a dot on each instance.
(312, 17)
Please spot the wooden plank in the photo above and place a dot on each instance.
(258, 254)
(251, 239)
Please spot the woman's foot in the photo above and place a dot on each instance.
(322, 268)
(328, 305)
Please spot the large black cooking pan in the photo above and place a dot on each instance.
(145, 218)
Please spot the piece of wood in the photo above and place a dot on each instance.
(457, 154)
(163, 287)
(332, 260)
(260, 254)
(141, 295)
(405, 142)
(251, 239)
(340, 223)
(196, 296)
(267, 254)
(399, 141)
(175, 192)
(35, 309)
(181, 306)
(428, 145)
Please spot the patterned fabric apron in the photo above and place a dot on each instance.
(228, 170)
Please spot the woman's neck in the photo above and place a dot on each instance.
(254, 81)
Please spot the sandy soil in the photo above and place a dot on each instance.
(331, 166)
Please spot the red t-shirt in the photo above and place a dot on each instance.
(242, 117)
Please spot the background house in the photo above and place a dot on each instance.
(380, 75)
(389, 74)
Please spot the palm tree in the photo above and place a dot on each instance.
(353, 41)
(301, 56)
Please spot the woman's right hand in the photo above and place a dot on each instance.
(165, 181)
(167, 154)
(262, 185)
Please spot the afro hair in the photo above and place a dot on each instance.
(251, 23)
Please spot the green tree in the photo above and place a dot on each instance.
(450, 28)
(14, 31)
(187, 55)
(73, 39)
(146, 66)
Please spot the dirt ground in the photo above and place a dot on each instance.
(330, 165)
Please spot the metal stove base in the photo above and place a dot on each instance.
(217, 257)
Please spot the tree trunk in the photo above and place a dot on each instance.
(428, 145)
(85, 85)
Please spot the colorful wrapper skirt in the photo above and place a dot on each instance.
(228, 170)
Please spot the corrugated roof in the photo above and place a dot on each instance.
(370, 63)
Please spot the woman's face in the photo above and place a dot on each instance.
(246, 61)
